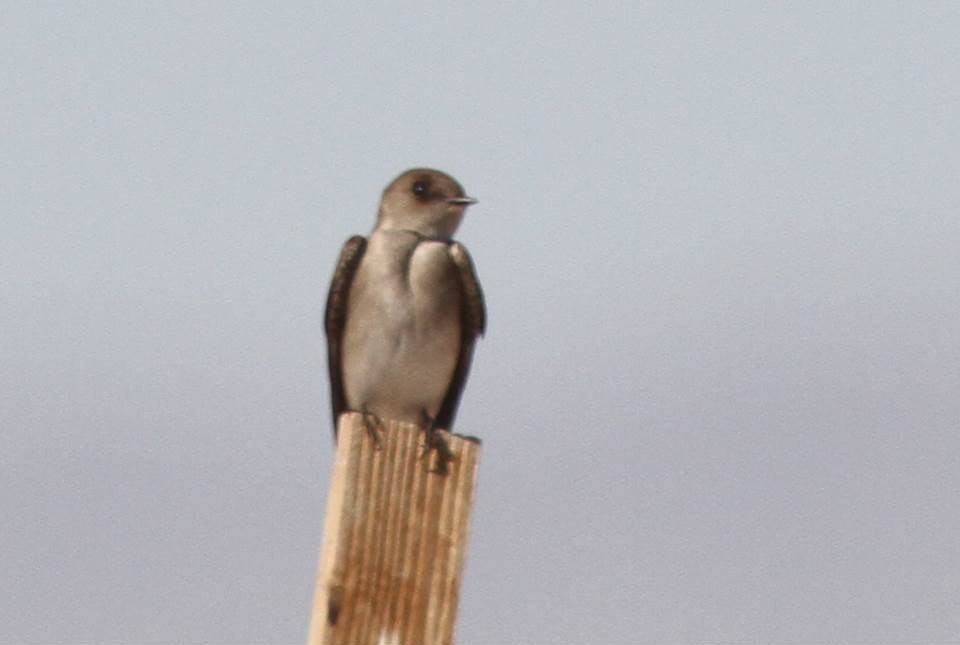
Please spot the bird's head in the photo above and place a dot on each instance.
(423, 200)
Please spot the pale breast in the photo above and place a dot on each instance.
(402, 339)
(434, 283)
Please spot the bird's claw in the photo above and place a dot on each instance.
(435, 441)
(372, 424)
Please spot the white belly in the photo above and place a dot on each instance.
(402, 337)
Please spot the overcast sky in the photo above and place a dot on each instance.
(720, 389)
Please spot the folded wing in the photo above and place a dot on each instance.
(335, 319)
(473, 318)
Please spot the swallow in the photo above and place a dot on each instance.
(405, 308)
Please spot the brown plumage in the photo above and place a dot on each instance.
(405, 307)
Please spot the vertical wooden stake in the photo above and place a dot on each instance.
(394, 538)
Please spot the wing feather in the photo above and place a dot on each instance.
(335, 319)
(473, 318)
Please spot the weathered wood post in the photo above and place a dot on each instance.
(394, 538)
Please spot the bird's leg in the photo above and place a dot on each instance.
(372, 423)
(435, 441)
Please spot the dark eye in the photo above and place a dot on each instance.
(420, 188)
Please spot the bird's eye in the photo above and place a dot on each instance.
(420, 188)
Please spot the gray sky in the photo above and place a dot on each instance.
(719, 390)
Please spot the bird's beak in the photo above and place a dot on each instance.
(462, 201)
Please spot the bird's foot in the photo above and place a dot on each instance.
(372, 424)
(435, 441)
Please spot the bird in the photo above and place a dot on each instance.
(405, 309)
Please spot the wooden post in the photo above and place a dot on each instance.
(394, 538)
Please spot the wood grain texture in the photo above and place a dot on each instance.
(394, 538)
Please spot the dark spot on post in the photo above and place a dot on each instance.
(333, 604)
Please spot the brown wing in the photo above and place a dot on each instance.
(473, 318)
(336, 318)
